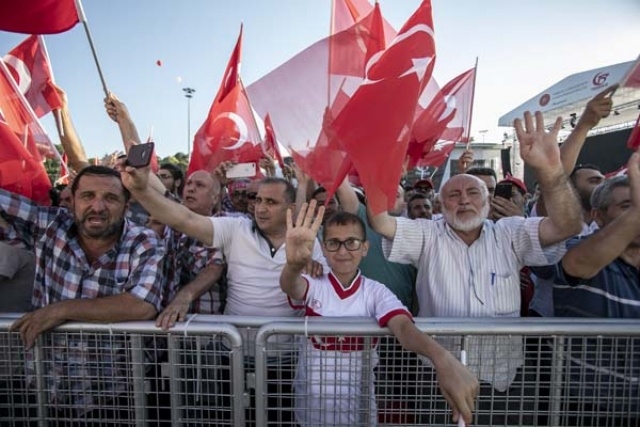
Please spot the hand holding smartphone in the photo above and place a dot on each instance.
(139, 155)
(503, 190)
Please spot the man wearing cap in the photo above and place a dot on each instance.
(504, 208)
(424, 186)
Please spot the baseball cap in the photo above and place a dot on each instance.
(237, 184)
(517, 182)
(423, 183)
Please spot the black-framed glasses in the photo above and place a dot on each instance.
(252, 196)
(351, 244)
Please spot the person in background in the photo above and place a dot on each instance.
(172, 177)
(419, 206)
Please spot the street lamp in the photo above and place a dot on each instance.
(188, 93)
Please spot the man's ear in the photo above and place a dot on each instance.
(598, 216)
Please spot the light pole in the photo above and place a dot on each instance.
(188, 93)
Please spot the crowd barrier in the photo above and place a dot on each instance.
(253, 371)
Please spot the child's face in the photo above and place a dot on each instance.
(344, 261)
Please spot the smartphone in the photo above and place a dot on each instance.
(139, 155)
(503, 190)
(242, 170)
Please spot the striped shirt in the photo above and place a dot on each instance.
(63, 272)
(186, 258)
(480, 280)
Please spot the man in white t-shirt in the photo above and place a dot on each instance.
(253, 249)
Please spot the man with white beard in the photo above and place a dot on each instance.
(468, 266)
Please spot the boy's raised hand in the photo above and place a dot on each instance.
(301, 237)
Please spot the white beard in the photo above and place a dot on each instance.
(468, 224)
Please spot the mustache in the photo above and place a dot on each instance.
(99, 215)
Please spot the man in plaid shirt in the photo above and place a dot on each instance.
(93, 265)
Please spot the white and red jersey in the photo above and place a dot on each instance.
(332, 372)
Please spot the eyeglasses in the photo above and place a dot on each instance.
(239, 194)
(351, 244)
(252, 196)
(165, 176)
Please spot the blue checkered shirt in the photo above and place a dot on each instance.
(63, 272)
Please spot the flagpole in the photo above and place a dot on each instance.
(83, 19)
(473, 95)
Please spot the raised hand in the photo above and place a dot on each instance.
(597, 108)
(301, 238)
(539, 148)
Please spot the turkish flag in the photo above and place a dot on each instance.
(30, 68)
(38, 16)
(229, 132)
(20, 172)
(634, 139)
(270, 142)
(458, 95)
(374, 127)
(21, 118)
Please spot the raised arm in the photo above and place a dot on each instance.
(457, 384)
(165, 210)
(383, 224)
(590, 256)
(347, 197)
(77, 158)
(300, 240)
(597, 108)
(539, 149)
(119, 113)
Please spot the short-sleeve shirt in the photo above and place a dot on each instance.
(253, 268)
(477, 280)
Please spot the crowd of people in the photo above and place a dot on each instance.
(127, 244)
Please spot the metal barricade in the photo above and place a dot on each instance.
(246, 371)
(129, 373)
(343, 378)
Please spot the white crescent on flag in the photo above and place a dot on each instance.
(21, 69)
(240, 125)
(419, 64)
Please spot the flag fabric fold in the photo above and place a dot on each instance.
(458, 96)
(230, 131)
(22, 120)
(20, 171)
(38, 16)
(29, 66)
(270, 142)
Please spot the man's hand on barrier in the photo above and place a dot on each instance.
(176, 311)
(33, 324)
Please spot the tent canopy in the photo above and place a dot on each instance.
(571, 94)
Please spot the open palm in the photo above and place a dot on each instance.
(300, 238)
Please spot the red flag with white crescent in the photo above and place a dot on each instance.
(229, 132)
(30, 69)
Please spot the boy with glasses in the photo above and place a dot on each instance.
(330, 383)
